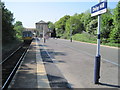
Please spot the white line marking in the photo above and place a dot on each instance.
(54, 62)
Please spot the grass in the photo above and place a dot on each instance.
(85, 37)
(111, 44)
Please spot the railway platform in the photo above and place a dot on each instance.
(31, 73)
(52, 65)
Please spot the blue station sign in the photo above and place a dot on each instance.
(98, 9)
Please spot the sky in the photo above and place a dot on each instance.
(31, 11)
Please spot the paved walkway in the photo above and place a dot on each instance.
(59, 63)
(31, 73)
(76, 62)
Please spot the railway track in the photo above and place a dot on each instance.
(11, 64)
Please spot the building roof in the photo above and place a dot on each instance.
(29, 29)
(41, 22)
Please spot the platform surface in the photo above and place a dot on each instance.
(61, 64)
(31, 73)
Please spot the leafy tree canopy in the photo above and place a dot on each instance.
(60, 25)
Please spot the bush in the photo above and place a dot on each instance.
(85, 37)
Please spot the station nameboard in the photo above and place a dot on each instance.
(100, 8)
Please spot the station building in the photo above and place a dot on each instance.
(42, 29)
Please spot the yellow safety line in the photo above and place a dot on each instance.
(42, 78)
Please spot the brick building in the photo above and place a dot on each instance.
(42, 29)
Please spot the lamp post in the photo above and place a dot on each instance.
(43, 35)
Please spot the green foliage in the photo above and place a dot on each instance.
(18, 27)
(74, 24)
(8, 33)
(110, 27)
(106, 25)
(85, 37)
(91, 28)
(112, 44)
(86, 19)
(51, 26)
(18, 23)
(115, 33)
(60, 25)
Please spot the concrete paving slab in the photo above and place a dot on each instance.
(31, 73)
(78, 67)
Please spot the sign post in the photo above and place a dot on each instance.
(98, 9)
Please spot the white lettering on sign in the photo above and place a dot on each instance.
(100, 8)
(95, 8)
(102, 5)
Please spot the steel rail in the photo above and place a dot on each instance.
(11, 54)
(8, 80)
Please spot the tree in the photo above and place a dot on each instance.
(18, 23)
(51, 26)
(8, 33)
(53, 34)
(92, 27)
(106, 25)
(86, 19)
(18, 27)
(115, 33)
(60, 25)
(74, 24)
